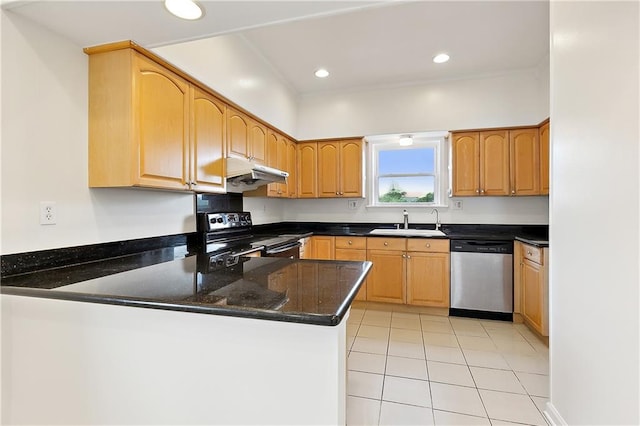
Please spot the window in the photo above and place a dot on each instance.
(407, 175)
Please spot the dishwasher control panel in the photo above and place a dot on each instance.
(482, 246)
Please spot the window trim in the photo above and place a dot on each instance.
(438, 140)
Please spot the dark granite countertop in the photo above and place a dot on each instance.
(292, 290)
(532, 234)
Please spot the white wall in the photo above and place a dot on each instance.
(498, 210)
(511, 99)
(44, 153)
(230, 66)
(594, 277)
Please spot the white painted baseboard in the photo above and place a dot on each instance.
(552, 415)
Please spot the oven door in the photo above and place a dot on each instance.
(290, 250)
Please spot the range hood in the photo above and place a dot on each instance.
(244, 175)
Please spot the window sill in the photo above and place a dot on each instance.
(408, 205)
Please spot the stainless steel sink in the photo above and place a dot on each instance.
(408, 232)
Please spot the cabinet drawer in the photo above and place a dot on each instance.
(351, 242)
(532, 253)
(428, 245)
(386, 243)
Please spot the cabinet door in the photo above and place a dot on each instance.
(161, 108)
(272, 161)
(428, 279)
(386, 280)
(208, 142)
(525, 162)
(328, 169)
(356, 255)
(532, 297)
(465, 163)
(237, 134)
(544, 159)
(494, 162)
(282, 163)
(322, 247)
(257, 142)
(351, 177)
(292, 168)
(307, 170)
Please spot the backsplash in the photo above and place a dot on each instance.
(214, 203)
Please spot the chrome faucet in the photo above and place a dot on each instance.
(406, 219)
(437, 219)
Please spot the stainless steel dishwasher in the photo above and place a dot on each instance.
(482, 279)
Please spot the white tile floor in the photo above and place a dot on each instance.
(417, 369)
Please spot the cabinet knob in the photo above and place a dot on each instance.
(337, 193)
(529, 253)
(404, 256)
(482, 191)
(342, 193)
(428, 245)
(408, 257)
(386, 243)
(513, 191)
(350, 242)
(477, 191)
(194, 183)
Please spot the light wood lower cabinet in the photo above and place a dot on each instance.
(428, 273)
(322, 247)
(409, 271)
(352, 248)
(531, 286)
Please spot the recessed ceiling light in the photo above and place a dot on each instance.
(185, 9)
(406, 140)
(322, 73)
(441, 58)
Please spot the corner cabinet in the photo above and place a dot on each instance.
(340, 168)
(149, 127)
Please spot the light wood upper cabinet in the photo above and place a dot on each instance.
(494, 162)
(307, 159)
(480, 163)
(144, 120)
(497, 162)
(544, 159)
(340, 168)
(207, 142)
(466, 163)
(525, 161)
(276, 158)
(246, 138)
(292, 168)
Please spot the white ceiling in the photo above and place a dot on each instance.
(362, 43)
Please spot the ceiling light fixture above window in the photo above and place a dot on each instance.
(185, 9)
(441, 58)
(406, 140)
(322, 73)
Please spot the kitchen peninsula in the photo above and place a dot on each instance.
(262, 343)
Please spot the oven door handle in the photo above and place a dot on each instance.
(248, 251)
(284, 248)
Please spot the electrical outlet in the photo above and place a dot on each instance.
(47, 213)
(457, 205)
(353, 204)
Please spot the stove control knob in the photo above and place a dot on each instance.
(219, 220)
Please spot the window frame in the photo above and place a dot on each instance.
(437, 140)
